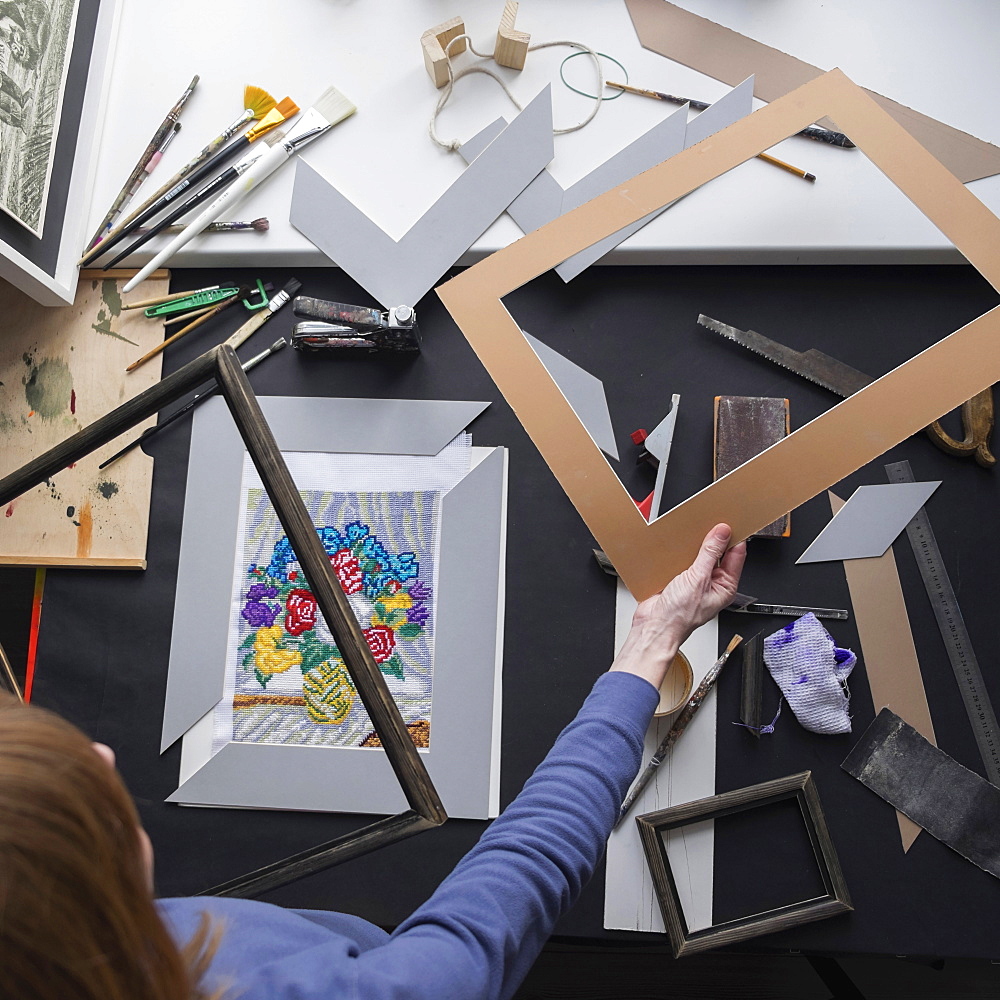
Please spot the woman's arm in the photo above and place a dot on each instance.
(479, 933)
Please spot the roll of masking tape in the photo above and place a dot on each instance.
(676, 687)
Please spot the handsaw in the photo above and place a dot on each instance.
(842, 379)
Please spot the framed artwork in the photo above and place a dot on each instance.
(815, 456)
(412, 524)
(55, 65)
(424, 808)
(652, 827)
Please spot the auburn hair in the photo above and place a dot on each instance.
(77, 917)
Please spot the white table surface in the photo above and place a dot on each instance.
(938, 58)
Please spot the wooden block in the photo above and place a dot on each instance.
(744, 427)
(433, 42)
(60, 369)
(511, 48)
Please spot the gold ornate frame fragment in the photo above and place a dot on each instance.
(221, 365)
(813, 458)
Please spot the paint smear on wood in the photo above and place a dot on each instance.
(85, 532)
(48, 388)
(110, 309)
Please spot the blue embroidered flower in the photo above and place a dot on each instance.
(356, 531)
(280, 558)
(332, 540)
(373, 549)
(404, 566)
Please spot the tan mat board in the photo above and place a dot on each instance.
(813, 458)
(726, 55)
(887, 648)
(62, 368)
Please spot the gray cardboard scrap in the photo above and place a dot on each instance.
(403, 271)
(585, 393)
(544, 199)
(869, 522)
(208, 550)
(461, 756)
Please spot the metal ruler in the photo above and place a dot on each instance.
(953, 631)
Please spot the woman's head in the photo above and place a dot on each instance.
(77, 917)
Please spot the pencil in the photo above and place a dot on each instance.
(816, 132)
(139, 173)
(677, 729)
(798, 171)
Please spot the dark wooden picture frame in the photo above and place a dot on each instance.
(222, 366)
(683, 941)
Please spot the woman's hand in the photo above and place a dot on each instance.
(662, 622)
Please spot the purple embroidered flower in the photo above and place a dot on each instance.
(259, 614)
(420, 591)
(418, 614)
(259, 590)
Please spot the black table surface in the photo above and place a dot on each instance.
(105, 635)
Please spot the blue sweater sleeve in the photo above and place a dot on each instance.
(479, 933)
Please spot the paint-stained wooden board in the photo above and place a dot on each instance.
(60, 369)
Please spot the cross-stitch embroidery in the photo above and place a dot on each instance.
(290, 684)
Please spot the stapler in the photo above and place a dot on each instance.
(339, 325)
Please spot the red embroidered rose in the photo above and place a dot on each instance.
(348, 571)
(301, 615)
(381, 641)
(394, 586)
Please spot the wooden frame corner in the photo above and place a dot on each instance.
(222, 366)
(801, 787)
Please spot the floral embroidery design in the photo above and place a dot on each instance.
(284, 636)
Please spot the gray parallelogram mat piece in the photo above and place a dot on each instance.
(461, 754)
(403, 271)
(215, 470)
(544, 198)
(583, 391)
(949, 801)
(869, 522)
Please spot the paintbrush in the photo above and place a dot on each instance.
(677, 729)
(190, 405)
(259, 318)
(238, 295)
(257, 103)
(331, 109)
(203, 167)
(139, 173)
(210, 190)
(261, 225)
(816, 132)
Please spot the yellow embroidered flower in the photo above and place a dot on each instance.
(270, 659)
(400, 601)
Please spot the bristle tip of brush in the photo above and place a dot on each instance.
(333, 106)
(257, 100)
